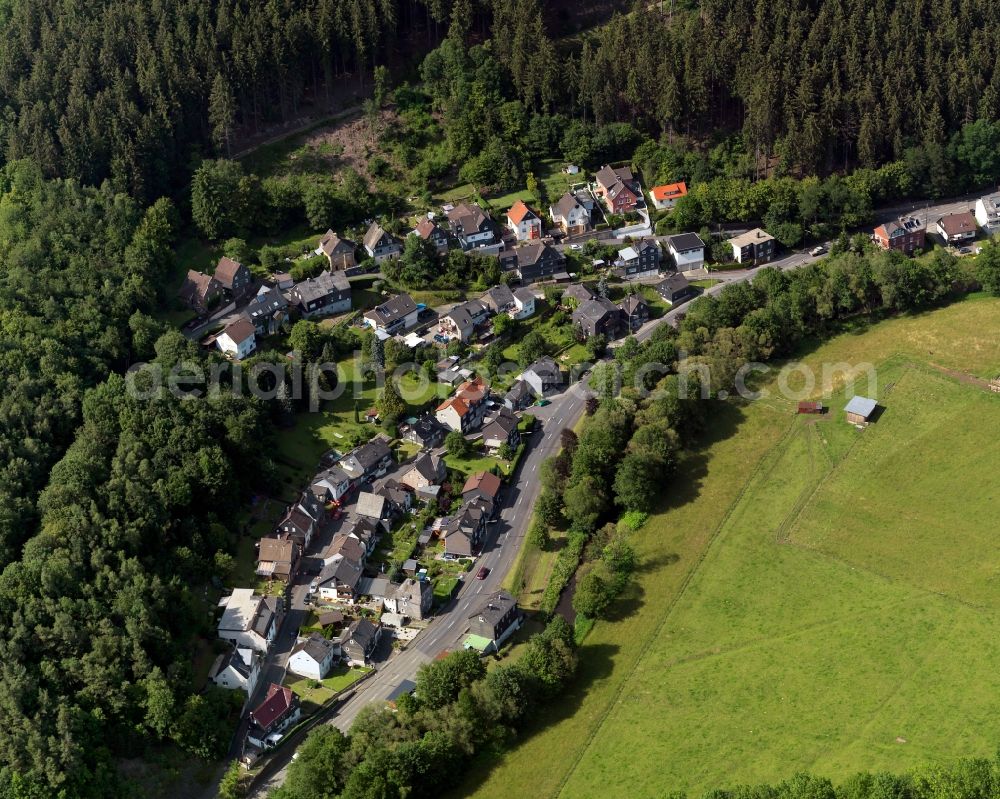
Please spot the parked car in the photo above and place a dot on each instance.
(575, 247)
(964, 250)
(543, 402)
(482, 573)
(817, 251)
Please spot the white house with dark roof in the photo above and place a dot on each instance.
(524, 303)
(313, 657)
(267, 311)
(570, 214)
(988, 213)
(393, 316)
(493, 623)
(542, 376)
(237, 669)
(412, 598)
(238, 340)
(472, 226)
(687, 251)
(381, 245)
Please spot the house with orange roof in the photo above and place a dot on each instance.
(465, 410)
(525, 223)
(666, 195)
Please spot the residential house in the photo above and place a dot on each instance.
(675, 289)
(465, 410)
(755, 247)
(482, 486)
(640, 260)
(427, 469)
(238, 340)
(598, 317)
(525, 223)
(860, 410)
(464, 531)
(237, 669)
(499, 430)
(380, 245)
(397, 497)
(570, 215)
(345, 545)
(367, 531)
(412, 598)
(298, 524)
(906, 234)
(576, 295)
(200, 291)
(667, 195)
(279, 711)
(425, 431)
(249, 620)
(462, 320)
(393, 316)
(542, 376)
(278, 558)
(339, 252)
(373, 506)
(313, 657)
(267, 311)
(359, 640)
(377, 588)
(368, 461)
(331, 484)
(519, 396)
(635, 311)
(473, 227)
(282, 280)
(493, 623)
(338, 581)
(324, 295)
(537, 260)
(499, 299)
(987, 213)
(618, 189)
(524, 304)
(687, 251)
(429, 230)
(234, 278)
(957, 229)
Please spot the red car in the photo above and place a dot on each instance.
(481, 574)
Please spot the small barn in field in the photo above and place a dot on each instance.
(860, 410)
(810, 407)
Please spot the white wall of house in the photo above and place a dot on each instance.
(238, 351)
(302, 664)
(688, 260)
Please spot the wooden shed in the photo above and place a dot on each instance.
(860, 410)
(810, 407)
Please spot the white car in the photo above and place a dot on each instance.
(575, 247)
(817, 251)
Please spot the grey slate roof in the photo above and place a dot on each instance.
(315, 646)
(322, 286)
(862, 406)
(393, 309)
(685, 241)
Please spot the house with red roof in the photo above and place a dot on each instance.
(279, 710)
(525, 223)
(665, 196)
(465, 410)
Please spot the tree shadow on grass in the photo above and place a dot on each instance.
(595, 663)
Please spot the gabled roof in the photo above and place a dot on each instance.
(487, 482)
(362, 632)
(669, 191)
(567, 203)
(332, 244)
(315, 647)
(608, 176)
(391, 310)
(278, 702)
(239, 331)
(628, 254)
(862, 406)
(343, 572)
(499, 297)
(495, 607)
(226, 271)
(240, 659)
(578, 292)
(276, 550)
(957, 224)
(633, 302)
(198, 286)
(596, 309)
(672, 284)
(501, 427)
(519, 212)
(374, 235)
(429, 466)
(524, 296)
(468, 218)
(346, 546)
(323, 285)
(518, 391)
(544, 368)
(460, 405)
(372, 453)
(428, 228)
(532, 253)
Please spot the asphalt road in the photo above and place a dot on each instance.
(505, 538)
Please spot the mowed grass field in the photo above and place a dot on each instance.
(812, 597)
